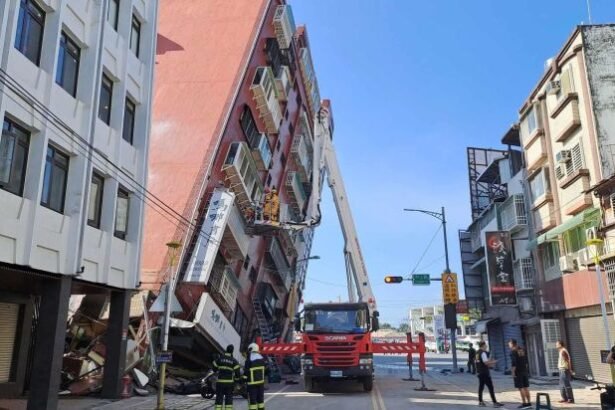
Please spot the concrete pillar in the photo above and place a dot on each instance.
(50, 335)
(115, 343)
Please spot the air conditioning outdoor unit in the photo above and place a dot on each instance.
(584, 257)
(566, 264)
(563, 156)
(553, 87)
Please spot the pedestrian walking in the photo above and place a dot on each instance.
(254, 373)
(483, 363)
(471, 359)
(228, 370)
(564, 365)
(520, 369)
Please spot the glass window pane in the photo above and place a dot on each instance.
(34, 40)
(121, 214)
(112, 13)
(129, 121)
(46, 183)
(58, 187)
(7, 151)
(93, 203)
(106, 94)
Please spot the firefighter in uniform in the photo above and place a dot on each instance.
(228, 370)
(254, 373)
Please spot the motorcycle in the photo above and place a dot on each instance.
(208, 386)
(607, 395)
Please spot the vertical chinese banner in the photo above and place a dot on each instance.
(500, 268)
(208, 242)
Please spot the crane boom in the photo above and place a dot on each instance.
(326, 164)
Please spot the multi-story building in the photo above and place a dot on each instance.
(567, 134)
(498, 269)
(236, 99)
(75, 104)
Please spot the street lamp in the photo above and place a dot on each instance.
(315, 257)
(441, 216)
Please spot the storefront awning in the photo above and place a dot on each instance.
(589, 216)
(481, 325)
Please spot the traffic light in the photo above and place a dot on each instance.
(393, 279)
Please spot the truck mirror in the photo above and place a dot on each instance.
(375, 321)
(297, 324)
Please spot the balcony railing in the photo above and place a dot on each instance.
(240, 169)
(261, 151)
(235, 239)
(283, 83)
(296, 192)
(265, 92)
(512, 213)
(309, 79)
(302, 153)
(524, 274)
(282, 267)
(284, 25)
(223, 286)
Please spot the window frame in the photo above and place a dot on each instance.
(129, 107)
(54, 162)
(543, 174)
(124, 194)
(106, 87)
(117, 14)
(97, 179)
(21, 138)
(135, 24)
(62, 52)
(21, 36)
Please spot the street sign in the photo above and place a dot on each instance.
(164, 357)
(421, 279)
(450, 290)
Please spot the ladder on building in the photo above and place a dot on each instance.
(267, 336)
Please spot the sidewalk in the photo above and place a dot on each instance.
(507, 394)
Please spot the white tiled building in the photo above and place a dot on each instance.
(75, 100)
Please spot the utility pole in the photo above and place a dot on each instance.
(173, 246)
(449, 309)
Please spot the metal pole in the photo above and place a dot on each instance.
(448, 269)
(602, 304)
(167, 319)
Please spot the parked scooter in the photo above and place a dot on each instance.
(607, 395)
(208, 386)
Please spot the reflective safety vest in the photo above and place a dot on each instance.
(227, 368)
(254, 370)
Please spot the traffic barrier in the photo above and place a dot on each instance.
(539, 405)
(411, 376)
(422, 365)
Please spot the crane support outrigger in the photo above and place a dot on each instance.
(336, 337)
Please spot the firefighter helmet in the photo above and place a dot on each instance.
(253, 348)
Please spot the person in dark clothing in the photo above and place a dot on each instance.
(228, 370)
(520, 369)
(254, 373)
(471, 360)
(483, 363)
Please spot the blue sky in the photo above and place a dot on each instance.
(413, 83)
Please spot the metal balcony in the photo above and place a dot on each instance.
(297, 195)
(284, 25)
(241, 171)
(223, 287)
(281, 266)
(235, 239)
(261, 151)
(524, 274)
(512, 213)
(265, 93)
(302, 153)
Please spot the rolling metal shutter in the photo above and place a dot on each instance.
(511, 332)
(9, 314)
(585, 340)
(496, 344)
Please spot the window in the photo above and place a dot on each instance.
(550, 255)
(113, 13)
(283, 159)
(566, 85)
(121, 213)
(575, 239)
(68, 64)
(96, 195)
(268, 180)
(14, 144)
(240, 321)
(129, 121)
(248, 125)
(532, 121)
(576, 159)
(246, 262)
(54, 180)
(291, 129)
(135, 35)
(106, 95)
(30, 25)
(539, 185)
(274, 55)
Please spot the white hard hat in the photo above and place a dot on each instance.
(253, 348)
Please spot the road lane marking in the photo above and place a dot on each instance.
(372, 394)
(276, 393)
(380, 400)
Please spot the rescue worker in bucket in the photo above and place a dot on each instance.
(254, 374)
(228, 370)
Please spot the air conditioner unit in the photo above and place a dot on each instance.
(560, 172)
(584, 257)
(563, 156)
(553, 87)
(566, 263)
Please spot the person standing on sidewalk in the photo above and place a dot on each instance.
(564, 364)
(521, 373)
(254, 373)
(471, 359)
(483, 363)
(228, 370)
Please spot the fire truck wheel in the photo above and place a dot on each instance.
(368, 383)
(309, 384)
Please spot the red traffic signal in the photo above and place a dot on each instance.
(393, 279)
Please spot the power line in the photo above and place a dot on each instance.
(426, 249)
